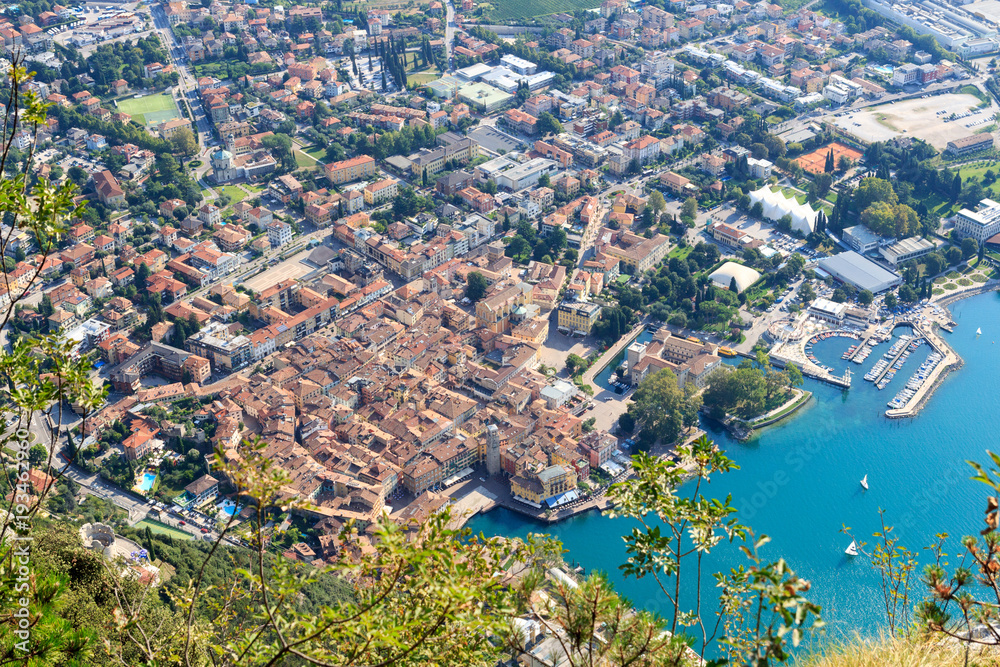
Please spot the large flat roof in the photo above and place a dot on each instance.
(863, 273)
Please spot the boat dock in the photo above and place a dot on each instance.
(950, 360)
(809, 370)
(892, 363)
(861, 347)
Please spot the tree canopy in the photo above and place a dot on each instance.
(662, 408)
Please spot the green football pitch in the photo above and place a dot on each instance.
(150, 109)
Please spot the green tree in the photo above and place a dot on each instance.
(907, 294)
(626, 423)
(953, 255)
(795, 378)
(969, 247)
(890, 300)
(280, 146)
(663, 408)
(823, 182)
(575, 364)
(475, 286)
(184, 142)
(739, 391)
(141, 275)
(689, 210)
(656, 201)
(872, 190)
(547, 124)
(37, 455)
(865, 297)
(45, 307)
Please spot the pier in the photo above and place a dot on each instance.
(896, 358)
(861, 346)
(949, 362)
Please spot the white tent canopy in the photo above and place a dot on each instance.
(776, 206)
(744, 275)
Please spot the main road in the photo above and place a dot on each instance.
(188, 84)
(449, 32)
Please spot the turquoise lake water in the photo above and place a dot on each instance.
(799, 480)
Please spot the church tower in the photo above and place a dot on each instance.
(492, 449)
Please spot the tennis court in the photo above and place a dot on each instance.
(150, 109)
(814, 162)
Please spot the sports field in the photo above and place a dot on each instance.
(150, 109)
(163, 529)
(815, 161)
(516, 9)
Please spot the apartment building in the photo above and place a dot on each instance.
(353, 169)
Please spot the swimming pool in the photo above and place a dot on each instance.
(227, 507)
(146, 483)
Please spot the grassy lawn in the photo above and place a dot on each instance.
(421, 78)
(974, 91)
(318, 152)
(162, 529)
(159, 107)
(831, 197)
(977, 172)
(678, 251)
(235, 194)
(515, 9)
(939, 205)
(303, 160)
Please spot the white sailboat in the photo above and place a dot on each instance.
(864, 483)
(979, 332)
(852, 550)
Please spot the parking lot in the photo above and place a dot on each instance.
(919, 117)
(291, 269)
(763, 231)
(494, 140)
(89, 166)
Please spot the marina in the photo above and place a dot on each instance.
(798, 480)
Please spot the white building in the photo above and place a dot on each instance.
(837, 94)
(829, 311)
(558, 394)
(862, 239)
(906, 249)
(759, 168)
(527, 174)
(980, 224)
(519, 65)
(905, 75)
(279, 233)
